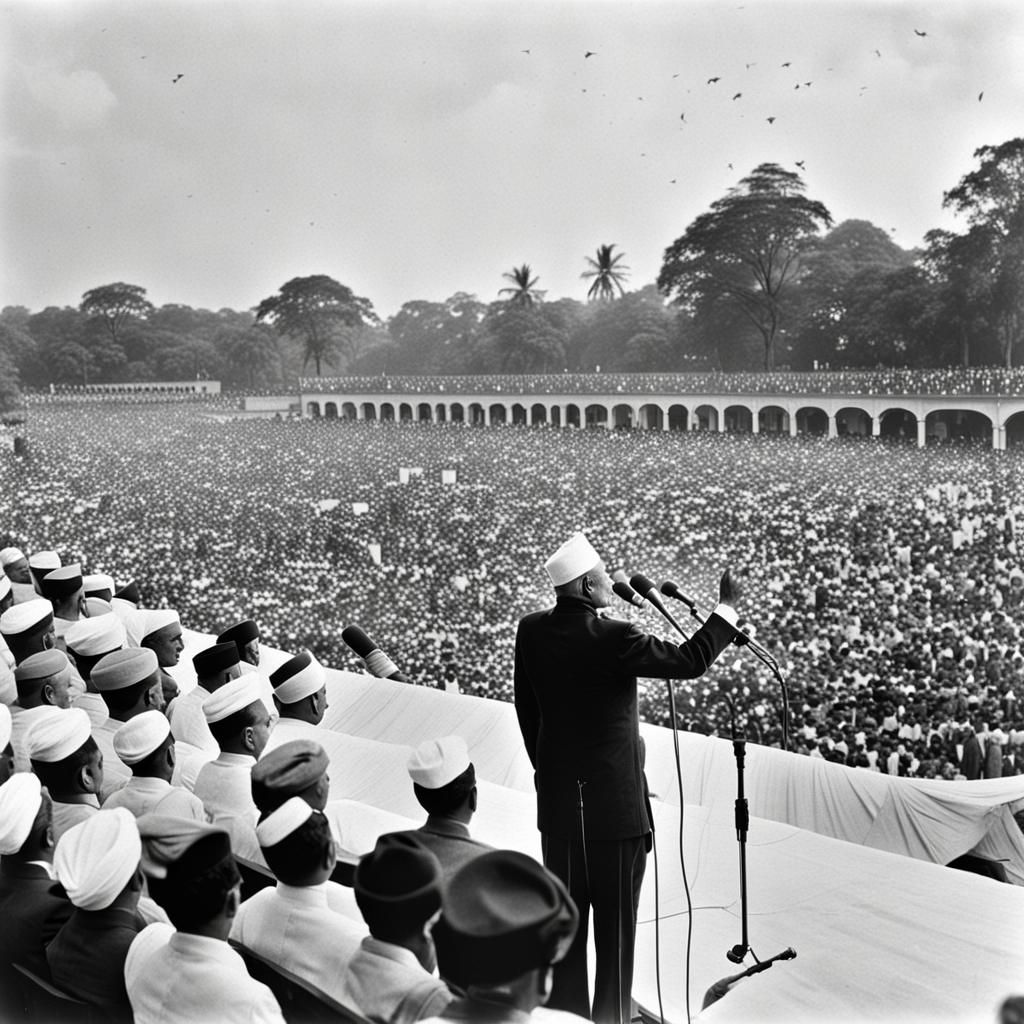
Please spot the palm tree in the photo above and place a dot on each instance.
(606, 272)
(524, 293)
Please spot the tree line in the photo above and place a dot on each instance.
(763, 279)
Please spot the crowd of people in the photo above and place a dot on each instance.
(886, 580)
(971, 380)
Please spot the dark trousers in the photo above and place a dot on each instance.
(608, 881)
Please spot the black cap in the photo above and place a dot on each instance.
(215, 659)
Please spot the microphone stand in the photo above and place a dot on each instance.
(721, 987)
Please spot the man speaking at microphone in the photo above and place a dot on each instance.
(576, 698)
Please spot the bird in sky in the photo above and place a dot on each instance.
(711, 81)
(682, 117)
(673, 181)
(980, 94)
(752, 64)
(918, 32)
(527, 52)
(176, 79)
(589, 53)
(878, 53)
(770, 120)
(737, 96)
(800, 164)
(787, 64)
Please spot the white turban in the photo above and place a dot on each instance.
(96, 859)
(158, 618)
(232, 696)
(299, 684)
(20, 798)
(98, 635)
(140, 736)
(57, 735)
(8, 556)
(575, 557)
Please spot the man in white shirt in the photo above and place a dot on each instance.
(189, 973)
(391, 977)
(293, 924)
(300, 696)
(214, 667)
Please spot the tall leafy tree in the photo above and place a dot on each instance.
(746, 250)
(991, 198)
(523, 290)
(606, 273)
(318, 310)
(116, 305)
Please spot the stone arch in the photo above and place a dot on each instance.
(405, 413)
(457, 413)
(476, 414)
(596, 415)
(739, 419)
(369, 411)
(1015, 430)
(811, 420)
(313, 409)
(331, 411)
(958, 425)
(898, 423)
(622, 416)
(348, 411)
(424, 413)
(440, 413)
(387, 412)
(652, 417)
(706, 417)
(519, 416)
(853, 422)
(556, 416)
(538, 413)
(572, 415)
(772, 419)
(497, 413)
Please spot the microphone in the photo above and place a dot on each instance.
(669, 589)
(627, 593)
(647, 590)
(377, 662)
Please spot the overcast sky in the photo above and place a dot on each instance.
(212, 151)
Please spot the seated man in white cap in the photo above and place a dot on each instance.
(32, 907)
(191, 974)
(391, 977)
(87, 641)
(161, 633)
(39, 564)
(214, 667)
(245, 635)
(97, 862)
(576, 700)
(64, 755)
(6, 750)
(63, 589)
(146, 745)
(98, 585)
(292, 924)
(28, 628)
(300, 696)
(43, 681)
(444, 781)
(15, 566)
(240, 724)
(128, 680)
(506, 922)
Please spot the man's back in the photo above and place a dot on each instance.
(178, 978)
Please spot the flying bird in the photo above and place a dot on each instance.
(752, 64)
(589, 53)
(711, 81)
(980, 94)
(787, 64)
(878, 53)
(737, 96)
(176, 78)
(527, 52)
(770, 120)
(682, 117)
(800, 164)
(918, 32)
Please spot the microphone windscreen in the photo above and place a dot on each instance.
(619, 576)
(627, 593)
(642, 585)
(358, 640)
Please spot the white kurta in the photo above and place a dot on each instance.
(188, 723)
(142, 795)
(295, 928)
(178, 978)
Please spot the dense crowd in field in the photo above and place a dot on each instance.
(887, 580)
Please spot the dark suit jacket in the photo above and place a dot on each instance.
(576, 698)
(449, 841)
(32, 910)
(87, 957)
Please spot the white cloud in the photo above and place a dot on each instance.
(80, 98)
